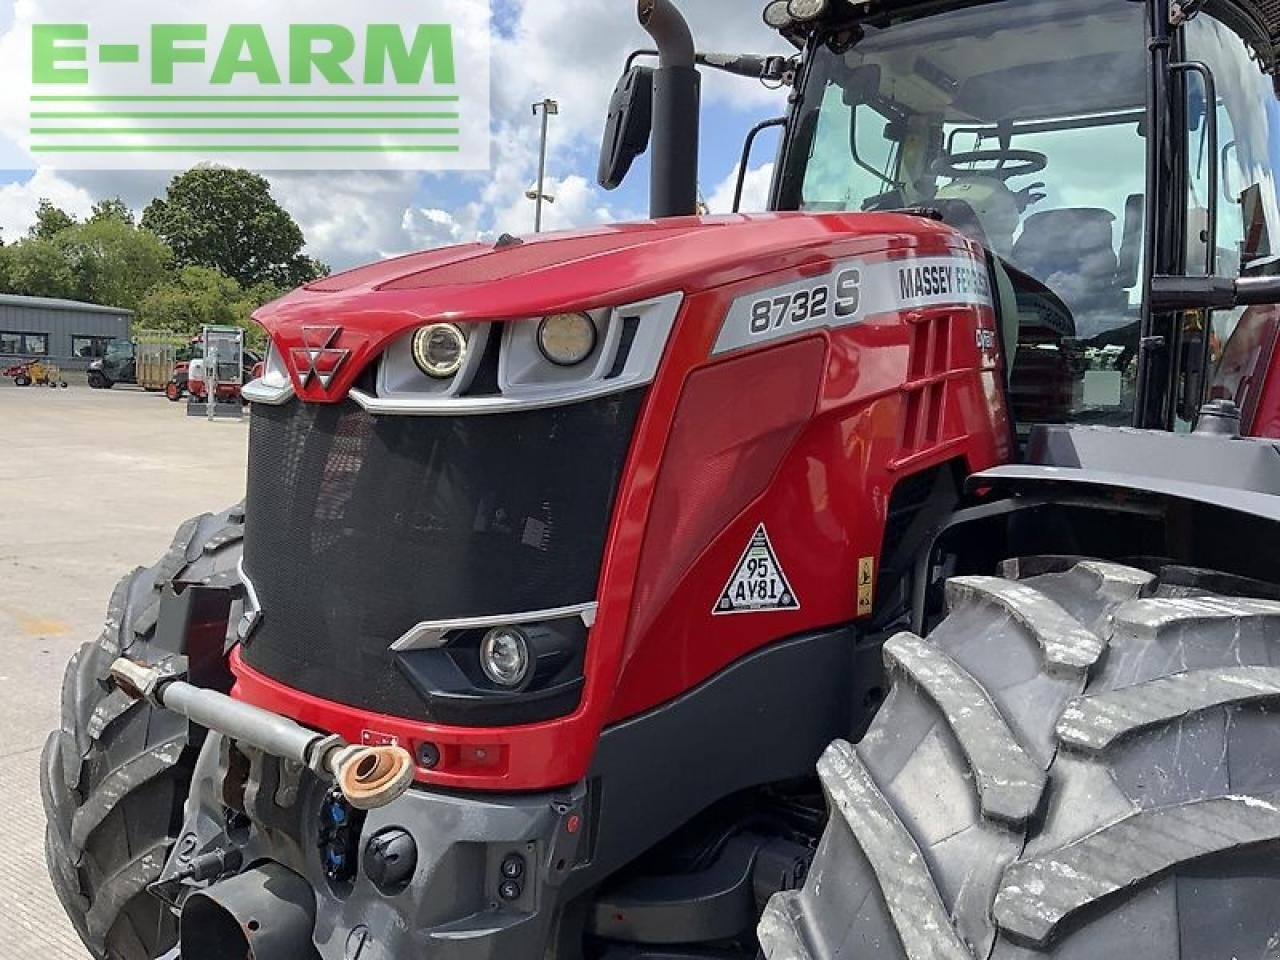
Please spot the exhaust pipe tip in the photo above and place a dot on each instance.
(268, 913)
(663, 21)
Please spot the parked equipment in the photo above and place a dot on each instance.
(146, 359)
(38, 372)
(180, 384)
(215, 376)
(930, 479)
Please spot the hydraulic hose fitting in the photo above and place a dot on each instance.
(368, 777)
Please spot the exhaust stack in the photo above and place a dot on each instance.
(673, 183)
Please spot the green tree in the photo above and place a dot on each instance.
(50, 221)
(112, 261)
(201, 295)
(36, 268)
(227, 219)
(111, 209)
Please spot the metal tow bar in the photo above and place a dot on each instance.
(368, 776)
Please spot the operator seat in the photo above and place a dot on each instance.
(1070, 250)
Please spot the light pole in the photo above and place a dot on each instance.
(549, 109)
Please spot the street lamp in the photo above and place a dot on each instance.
(549, 108)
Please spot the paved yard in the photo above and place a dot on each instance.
(92, 484)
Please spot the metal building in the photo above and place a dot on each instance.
(66, 332)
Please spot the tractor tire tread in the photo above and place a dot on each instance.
(1118, 695)
(115, 775)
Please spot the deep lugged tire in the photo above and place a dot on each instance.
(1078, 764)
(115, 775)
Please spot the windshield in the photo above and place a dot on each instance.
(1021, 124)
(119, 348)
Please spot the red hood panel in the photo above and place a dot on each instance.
(553, 273)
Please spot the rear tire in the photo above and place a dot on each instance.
(22, 381)
(1083, 763)
(115, 776)
(97, 380)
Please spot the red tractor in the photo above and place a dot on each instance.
(537, 621)
(181, 383)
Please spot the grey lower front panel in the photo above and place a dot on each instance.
(451, 906)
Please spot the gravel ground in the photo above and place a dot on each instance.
(92, 484)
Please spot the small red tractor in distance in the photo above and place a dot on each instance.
(181, 383)
(952, 478)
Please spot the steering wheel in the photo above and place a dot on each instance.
(1006, 164)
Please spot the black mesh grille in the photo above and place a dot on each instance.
(359, 526)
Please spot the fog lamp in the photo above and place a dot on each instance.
(439, 350)
(505, 658)
(806, 9)
(566, 339)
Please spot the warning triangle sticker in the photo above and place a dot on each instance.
(758, 583)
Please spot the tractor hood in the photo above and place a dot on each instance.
(355, 314)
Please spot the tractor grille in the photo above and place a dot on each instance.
(360, 526)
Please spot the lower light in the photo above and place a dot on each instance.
(505, 657)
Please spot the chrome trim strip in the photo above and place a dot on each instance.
(462, 406)
(259, 391)
(429, 634)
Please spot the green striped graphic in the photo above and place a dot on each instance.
(205, 131)
(228, 98)
(244, 148)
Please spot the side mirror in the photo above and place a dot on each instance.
(626, 131)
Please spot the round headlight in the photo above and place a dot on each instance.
(776, 15)
(806, 9)
(504, 656)
(439, 350)
(566, 339)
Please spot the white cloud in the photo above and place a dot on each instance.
(18, 201)
(350, 217)
(755, 190)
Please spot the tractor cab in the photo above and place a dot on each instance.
(1025, 125)
(1021, 125)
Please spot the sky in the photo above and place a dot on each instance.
(569, 50)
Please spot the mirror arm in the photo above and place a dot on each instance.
(1212, 293)
(753, 66)
(746, 156)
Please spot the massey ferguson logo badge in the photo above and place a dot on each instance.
(319, 358)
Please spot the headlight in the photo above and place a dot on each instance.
(803, 10)
(505, 657)
(566, 339)
(776, 14)
(439, 350)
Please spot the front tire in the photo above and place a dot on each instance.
(1080, 763)
(116, 774)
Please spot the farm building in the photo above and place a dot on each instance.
(65, 332)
